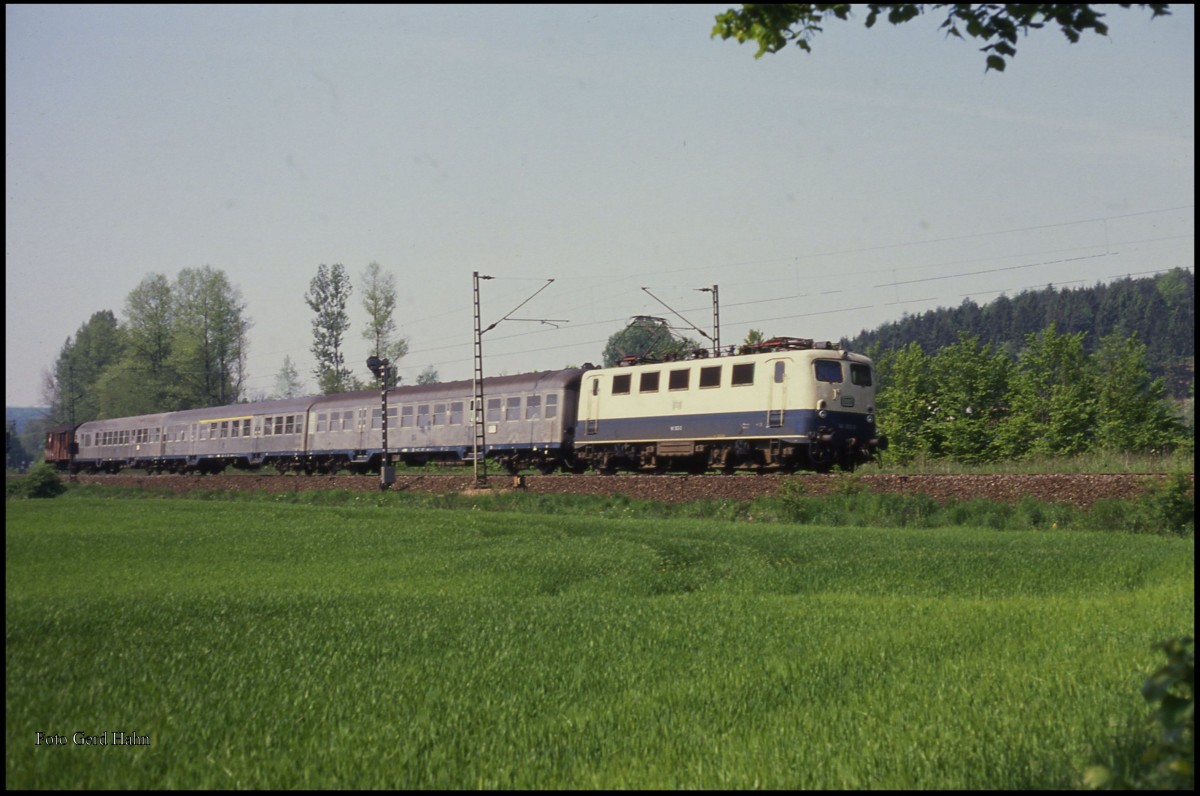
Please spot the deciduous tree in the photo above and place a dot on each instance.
(327, 295)
(1000, 26)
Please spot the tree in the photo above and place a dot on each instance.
(999, 25)
(647, 338)
(905, 401)
(753, 337)
(208, 349)
(1052, 398)
(379, 300)
(327, 295)
(428, 376)
(1132, 413)
(150, 381)
(970, 396)
(287, 381)
(70, 389)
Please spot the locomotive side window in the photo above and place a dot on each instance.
(743, 375)
(595, 386)
(710, 376)
(860, 374)
(678, 380)
(649, 382)
(551, 407)
(779, 372)
(829, 370)
(533, 407)
(621, 384)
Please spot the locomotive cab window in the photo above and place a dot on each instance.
(829, 370)
(648, 382)
(743, 375)
(621, 384)
(710, 377)
(860, 375)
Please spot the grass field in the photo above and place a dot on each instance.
(264, 645)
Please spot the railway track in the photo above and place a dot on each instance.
(1078, 489)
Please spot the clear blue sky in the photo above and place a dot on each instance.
(609, 148)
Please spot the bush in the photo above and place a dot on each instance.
(43, 481)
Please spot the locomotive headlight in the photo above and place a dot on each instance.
(822, 413)
(870, 418)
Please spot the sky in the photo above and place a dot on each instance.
(607, 148)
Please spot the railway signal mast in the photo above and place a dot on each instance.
(381, 369)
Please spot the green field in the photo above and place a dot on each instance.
(269, 645)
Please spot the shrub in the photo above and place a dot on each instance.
(43, 481)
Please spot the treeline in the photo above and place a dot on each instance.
(972, 401)
(1160, 311)
(182, 345)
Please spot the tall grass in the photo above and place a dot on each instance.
(387, 646)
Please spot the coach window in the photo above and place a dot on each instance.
(512, 408)
(648, 382)
(279, 426)
(375, 415)
(621, 384)
(290, 425)
(235, 428)
(679, 379)
(406, 417)
(829, 370)
(348, 420)
(860, 375)
(551, 406)
(710, 377)
(742, 375)
(533, 407)
(423, 416)
(321, 423)
(456, 413)
(493, 410)
(439, 414)
(392, 410)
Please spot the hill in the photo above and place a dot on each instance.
(1160, 310)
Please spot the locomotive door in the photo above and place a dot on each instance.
(776, 392)
(591, 413)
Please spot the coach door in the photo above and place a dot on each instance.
(776, 392)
